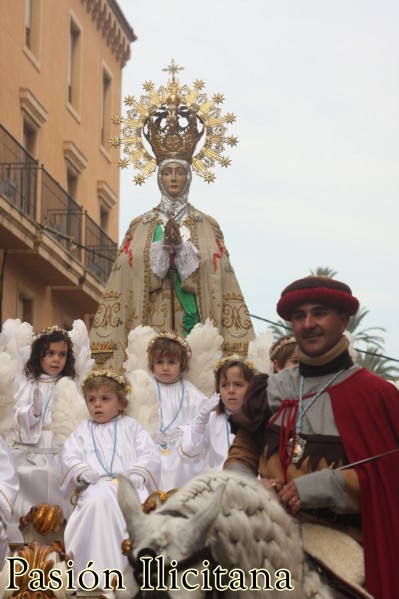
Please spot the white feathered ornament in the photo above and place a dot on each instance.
(206, 347)
(16, 339)
(143, 400)
(136, 351)
(15, 347)
(8, 388)
(81, 349)
(68, 409)
(258, 352)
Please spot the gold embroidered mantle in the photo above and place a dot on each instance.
(134, 295)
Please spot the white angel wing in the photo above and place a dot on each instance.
(206, 347)
(68, 409)
(16, 338)
(143, 401)
(15, 347)
(81, 349)
(258, 352)
(8, 388)
(136, 350)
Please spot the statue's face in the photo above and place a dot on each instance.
(174, 179)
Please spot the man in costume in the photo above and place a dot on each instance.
(173, 269)
(324, 435)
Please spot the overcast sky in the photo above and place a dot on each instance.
(314, 180)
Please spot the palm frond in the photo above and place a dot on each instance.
(324, 271)
(377, 364)
(281, 327)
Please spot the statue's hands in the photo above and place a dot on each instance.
(172, 240)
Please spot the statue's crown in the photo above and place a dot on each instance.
(173, 130)
(172, 119)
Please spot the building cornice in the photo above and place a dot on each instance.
(32, 107)
(114, 27)
(74, 157)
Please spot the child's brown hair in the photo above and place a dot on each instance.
(247, 369)
(282, 350)
(41, 344)
(165, 344)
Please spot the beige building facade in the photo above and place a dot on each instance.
(60, 85)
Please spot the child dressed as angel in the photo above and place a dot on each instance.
(207, 439)
(33, 448)
(101, 447)
(179, 401)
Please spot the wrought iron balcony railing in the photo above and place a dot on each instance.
(27, 185)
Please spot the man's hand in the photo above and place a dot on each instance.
(272, 484)
(289, 497)
(172, 240)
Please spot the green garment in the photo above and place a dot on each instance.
(187, 300)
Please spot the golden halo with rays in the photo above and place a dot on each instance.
(162, 110)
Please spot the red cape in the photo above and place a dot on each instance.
(366, 411)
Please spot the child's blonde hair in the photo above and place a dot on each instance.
(108, 379)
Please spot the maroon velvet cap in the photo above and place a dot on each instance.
(318, 290)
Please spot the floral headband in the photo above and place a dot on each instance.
(172, 337)
(110, 374)
(235, 358)
(49, 331)
(275, 348)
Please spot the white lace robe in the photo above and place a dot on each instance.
(35, 453)
(96, 528)
(177, 413)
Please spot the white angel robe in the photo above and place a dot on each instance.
(178, 403)
(35, 453)
(9, 487)
(209, 450)
(96, 528)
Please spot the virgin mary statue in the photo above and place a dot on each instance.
(173, 269)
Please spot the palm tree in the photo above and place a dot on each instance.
(364, 335)
(280, 327)
(378, 364)
(324, 271)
